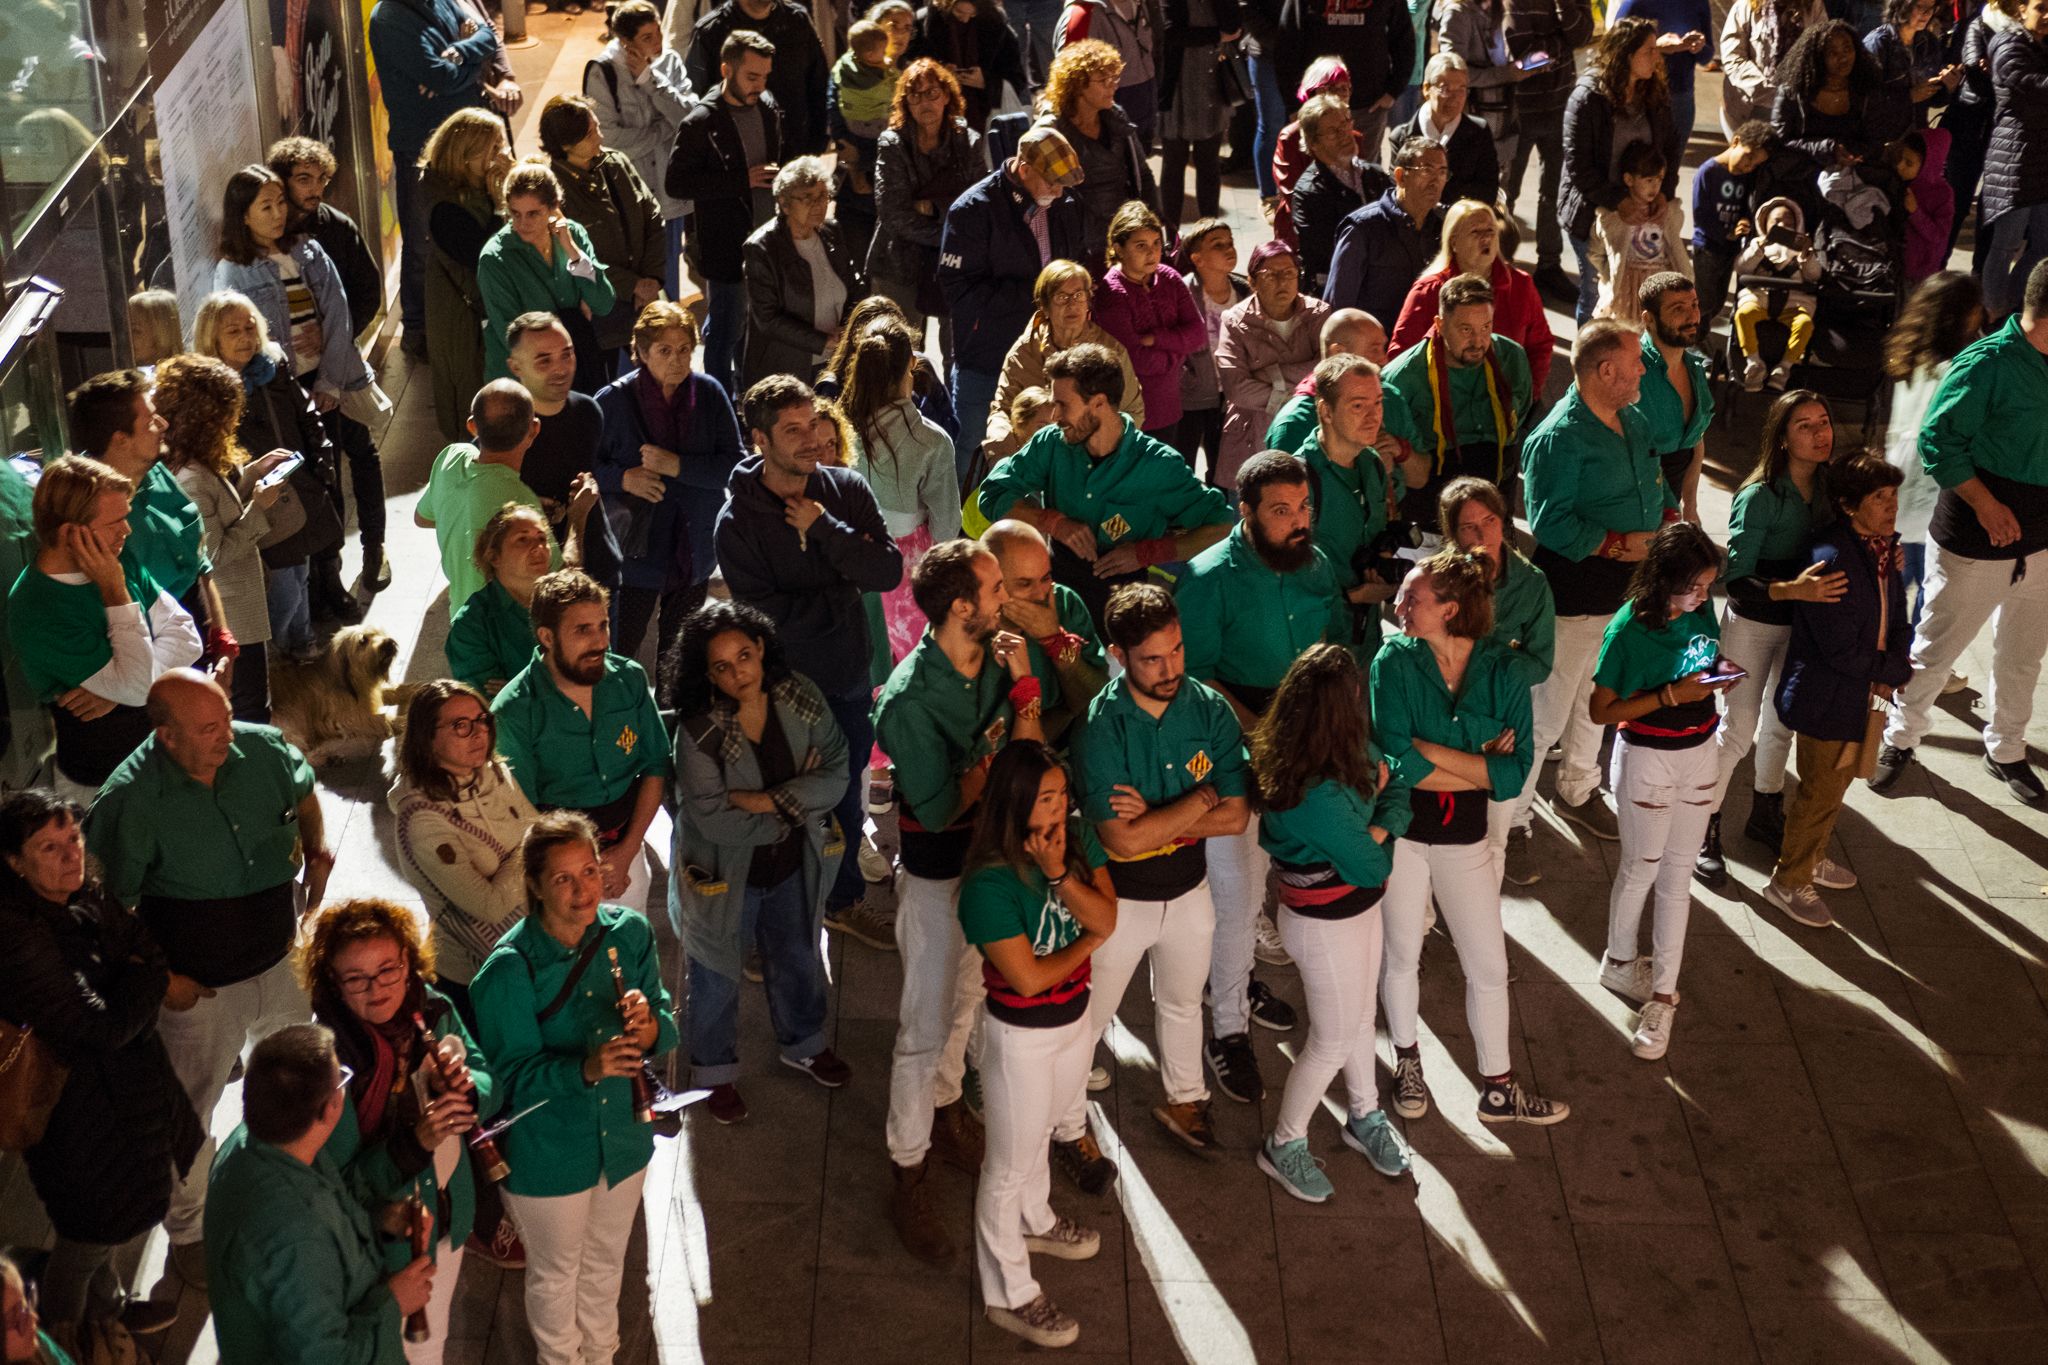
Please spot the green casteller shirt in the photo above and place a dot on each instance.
(1410, 701)
(563, 757)
(166, 534)
(463, 492)
(1142, 490)
(1297, 419)
(935, 724)
(1773, 523)
(1350, 504)
(1990, 412)
(1635, 657)
(1196, 740)
(59, 629)
(156, 830)
(1245, 623)
(1582, 480)
(293, 1266)
(1075, 620)
(490, 638)
(1408, 388)
(1670, 429)
(584, 1133)
(1330, 826)
(1525, 619)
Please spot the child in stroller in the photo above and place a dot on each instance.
(1778, 271)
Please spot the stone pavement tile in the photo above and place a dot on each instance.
(1175, 1321)
(1547, 950)
(1587, 1018)
(1749, 1104)
(1186, 1218)
(1796, 1331)
(1358, 1289)
(1853, 955)
(1912, 815)
(2032, 1236)
(1970, 1282)
(2008, 854)
(1664, 1294)
(1566, 853)
(1913, 894)
(2024, 922)
(1499, 1222)
(1861, 1047)
(1921, 1175)
(781, 1142)
(1625, 1155)
(1975, 998)
(911, 1319)
(870, 982)
(1728, 996)
(1792, 1231)
(1482, 1324)
(2004, 1102)
(767, 1260)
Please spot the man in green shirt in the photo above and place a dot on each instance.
(1466, 390)
(468, 484)
(963, 692)
(1052, 615)
(1111, 500)
(295, 1270)
(579, 728)
(1349, 486)
(1676, 397)
(1348, 331)
(211, 830)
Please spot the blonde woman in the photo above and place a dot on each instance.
(154, 331)
(1065, 294)
(461, 172)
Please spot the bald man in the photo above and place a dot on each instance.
(1348, 331)
(1052, 614)
(212, 832)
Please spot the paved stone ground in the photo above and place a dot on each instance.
(1843, 1158)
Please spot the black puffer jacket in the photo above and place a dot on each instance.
(89, 979)
(1586, 187)
(2016, 169)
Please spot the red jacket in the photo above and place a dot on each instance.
(1517, 315)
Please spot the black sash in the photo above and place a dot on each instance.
(1593, 586)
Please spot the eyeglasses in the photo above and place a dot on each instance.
(1431, 170)
(465, 726)
(817, 196)
(1071, 296)
(1278, 272)
(361, 984)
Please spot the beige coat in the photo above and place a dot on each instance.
(1024, 368)
(1259, 369)
(233, 530)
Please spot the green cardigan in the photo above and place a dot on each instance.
(514, 279)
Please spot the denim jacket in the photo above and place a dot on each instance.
(341, 364)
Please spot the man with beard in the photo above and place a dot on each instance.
(542, 355)
(1161, 771)
(1112, 500)
(580, 730)
(1248, 607)
(1349, 487)
(1054, 617)
(1676, 397)
(1467, 391)
(1347, 331)
(964, 691)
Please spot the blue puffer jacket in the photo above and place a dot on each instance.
(988, 261)
(341, 364)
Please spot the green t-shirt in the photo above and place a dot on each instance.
(1670, 429)
(1245, 623)
(935, 724)
(1411, 702)
(1525, 619)
(1636, 658)
(1581, 479)
(1142, 490)
(59, 629)
(463, 492)
(490, 639)
(1297, 420)
(1472, 417)
(1331, 827)
(998, 902)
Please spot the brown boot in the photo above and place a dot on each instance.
(957, 1137)
(910, 1209)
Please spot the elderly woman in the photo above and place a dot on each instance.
(670, 441)
(602, 191)
(1471, 246)
(555, 1031)
(201, 400)
(975, 42)
(542, 261)
(1269, 343)
(800, 278)
(1338, 182)
(85, 976)
(1081, 92)
(759, 765)
(638, 90)
(925, 158)
(462, 173)
(405, 1108)
(490, 636)
(1064, 293)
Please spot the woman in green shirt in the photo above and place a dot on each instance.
(1037, 902)
(542, 262)
(1659, 670)
(490, 637)
(1331, 815)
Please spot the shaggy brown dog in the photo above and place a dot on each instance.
(333, 707)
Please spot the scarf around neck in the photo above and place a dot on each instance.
(1444, 424)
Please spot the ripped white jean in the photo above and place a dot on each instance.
(1663, 799)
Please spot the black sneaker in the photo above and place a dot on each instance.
(1553, 283)
(1766, 823)
(1083, 1163)
(1708, 864)
(1235, 1067)
(1509, 1103)
(1411, 1093)
(2018, 777)
(1891, 762)
(1269, 1010)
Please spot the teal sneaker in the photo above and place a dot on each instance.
(1374, 1136)
(1300, 1174)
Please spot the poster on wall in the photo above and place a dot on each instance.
(310, 67)
(208, 124)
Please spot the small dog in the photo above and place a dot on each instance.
(333, 707)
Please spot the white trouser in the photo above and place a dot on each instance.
(1027, 1075)
(1560, 705)
(1340, 974)
(1663, 799)
(1752, 713)
(1237, 884)
(1177, 935)
(447, 1269)
(1962, 594)
(1467, 890)
(941, 999)
(203, 1043)
(575, 1262)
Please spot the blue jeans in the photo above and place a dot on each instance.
(1035, 22)
(412, 246)
(672, 267)
(286, 593)
(2018, 239)
(852, 710)
(725, 327)
(793, 975)
(973, 391)
(1589, 287)
(1272, 111)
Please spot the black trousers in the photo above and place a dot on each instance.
(1173, 163)
(1198, 431)
(639, 606)
(365, 473)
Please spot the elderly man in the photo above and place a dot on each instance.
(1486, 377)
(1053, 615)
(1337, 184)
(1347, 331)
(1468, 146)
(211, 830)
(1382, 248)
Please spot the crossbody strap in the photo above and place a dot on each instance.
(554, 1006)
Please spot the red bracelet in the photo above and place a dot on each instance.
(1613, 545)
(221, 643)
(1062, 646)
(1671, 515)
(1024, 694)
(1161, 550)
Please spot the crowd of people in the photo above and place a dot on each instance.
(1178, 614)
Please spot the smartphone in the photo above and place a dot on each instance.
(1723, 672)
(1780, 235)
(1535, 61)
(285, 469)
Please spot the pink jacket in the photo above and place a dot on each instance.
(1165, 310)
(1259, 370)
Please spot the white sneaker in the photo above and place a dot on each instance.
(1098, 1079)
(1957, 682)
(1653, 1030)
(874, 864)
(1831, 874)
(1631, 978)
(1780, 377)
(1753, 375)
(1267, 947)
(1800, 903)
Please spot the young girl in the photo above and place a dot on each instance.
(1037, 903)
(1656, 679)
(1918, 159)
(1207, 260)
(1453, 717)
(1146, 306)
(1638, 239)
(1331, 815)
